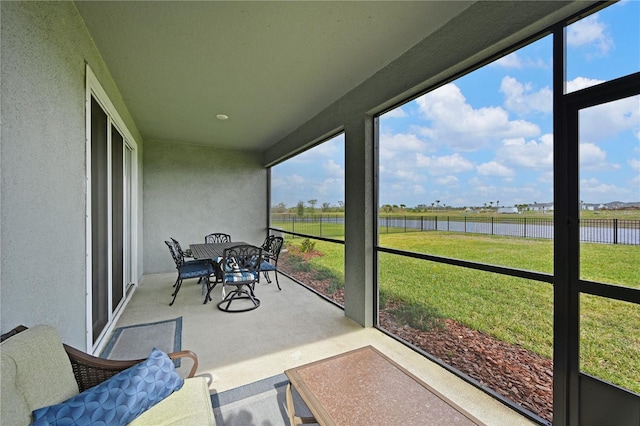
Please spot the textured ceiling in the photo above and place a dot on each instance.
(269, 66)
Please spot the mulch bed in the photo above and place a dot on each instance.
(516, 373)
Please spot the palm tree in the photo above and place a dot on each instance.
(313, 204)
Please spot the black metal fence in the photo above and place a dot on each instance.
(605, 231)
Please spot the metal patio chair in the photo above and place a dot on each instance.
(240, 268)
(270, 253)
(192, 269)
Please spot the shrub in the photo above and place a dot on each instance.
(297, 263)
(307, 245)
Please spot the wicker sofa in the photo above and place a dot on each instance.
(38, 370)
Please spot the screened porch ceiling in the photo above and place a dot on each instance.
(273, 66)
(269, 66)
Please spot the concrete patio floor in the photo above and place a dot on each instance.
(291, 327)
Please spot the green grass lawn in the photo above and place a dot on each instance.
(514, 310)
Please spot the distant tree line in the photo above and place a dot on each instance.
(302, 208)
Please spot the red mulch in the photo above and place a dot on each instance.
(516, 373)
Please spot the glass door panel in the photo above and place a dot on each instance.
(117, 218)
(99, 220)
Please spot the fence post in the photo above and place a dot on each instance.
(615, 231)
(525, 227)
(465, 224)
(491, 225)
(436, 222)
(405, 223)
(421, 223)
(448, 227)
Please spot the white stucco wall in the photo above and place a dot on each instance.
(45, 47)
(190, 191)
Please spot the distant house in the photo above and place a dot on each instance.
(511, 210)
(541, 207)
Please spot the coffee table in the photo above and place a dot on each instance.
(365, 387)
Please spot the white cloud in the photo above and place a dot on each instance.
(493, 168)
(333, 169)
(592, 157)
(546, 177)
(589, 31)
(591, 154)
(397, 147)
(418, 189)
(403, 142)
(481, 189)
(288, 189)
(512, 60)
(329, 149)
(331, 186)
(594, 191)
(407, 175)
(603, 122)
(515, 61)
(634, 163)
(395, 113)
(445, 164)
(522, 99)
(579, 83)
(458, 125)
(294, 180)
(449, 180)
(533, 154)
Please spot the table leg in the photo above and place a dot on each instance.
(293, 419)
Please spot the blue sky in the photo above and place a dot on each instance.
(488, 136)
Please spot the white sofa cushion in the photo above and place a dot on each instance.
(36, 372)
(191, 405)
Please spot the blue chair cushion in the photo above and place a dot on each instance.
(266, 266)
(240, 276)
(195, 268)
(119, 399)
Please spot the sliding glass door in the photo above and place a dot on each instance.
(111, 218)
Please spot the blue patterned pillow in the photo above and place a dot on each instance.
(118, 400)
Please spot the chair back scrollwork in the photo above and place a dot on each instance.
(276, 246)
(217, 237)
(245, 258)
(178, 258)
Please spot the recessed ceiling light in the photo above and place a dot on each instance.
(222, 117)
